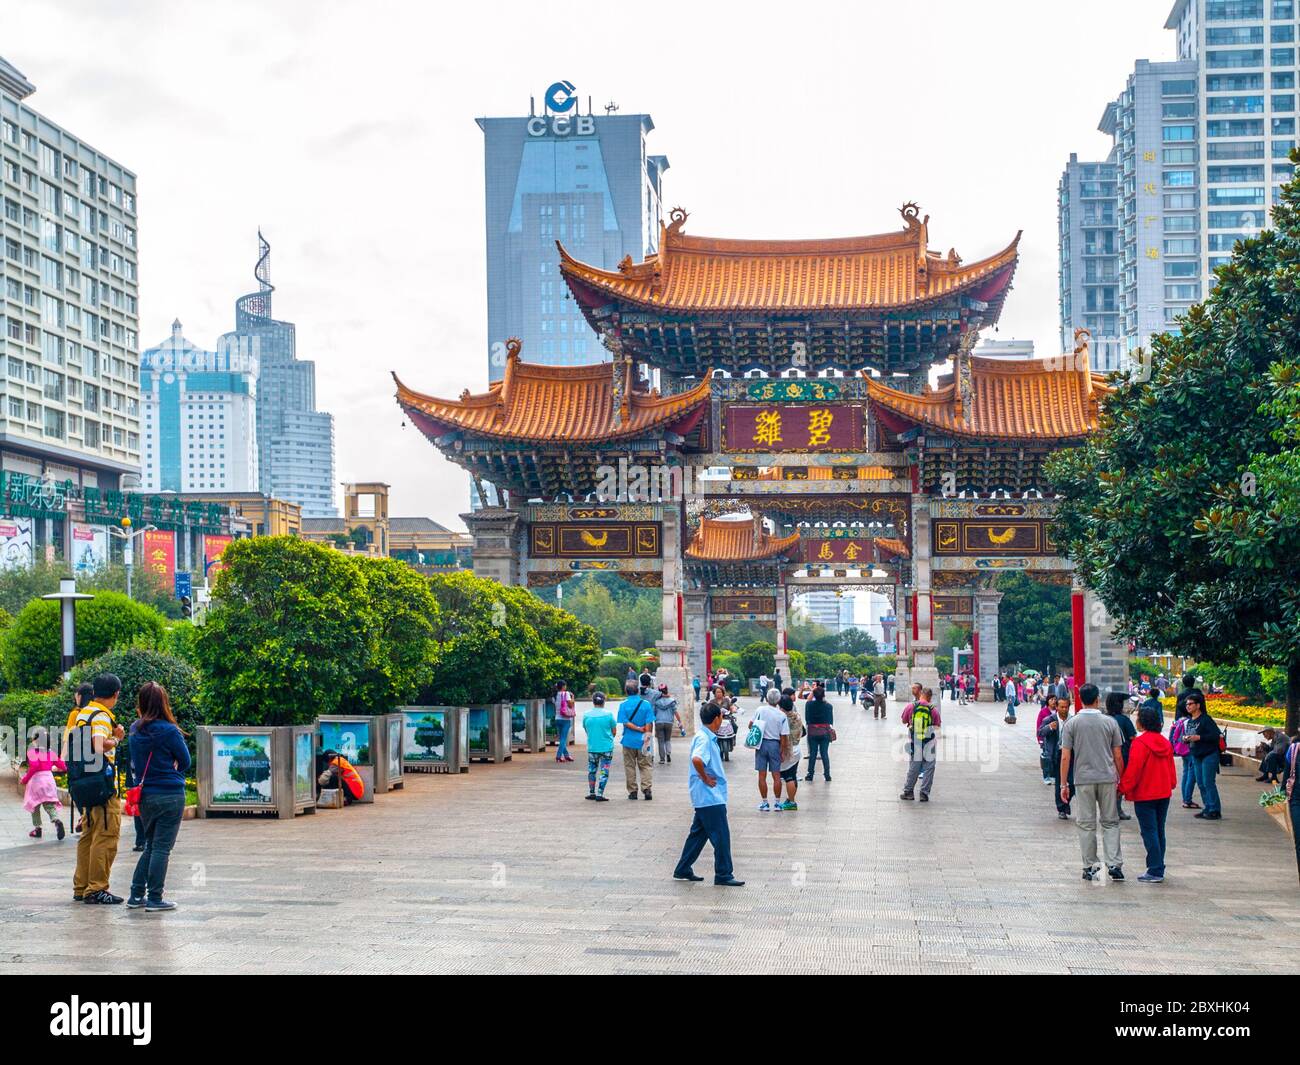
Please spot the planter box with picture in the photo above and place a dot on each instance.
(435, 739)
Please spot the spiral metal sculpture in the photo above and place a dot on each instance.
(258, 304)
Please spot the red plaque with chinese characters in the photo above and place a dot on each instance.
(838, 550)
(793, 427)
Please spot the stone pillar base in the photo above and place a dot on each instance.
(924, 671)
(783, 667)
(673, 672)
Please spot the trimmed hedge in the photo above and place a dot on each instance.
(33, 643)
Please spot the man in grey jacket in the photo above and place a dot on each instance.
(1092, 746)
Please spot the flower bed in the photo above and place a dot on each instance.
(1233, 711)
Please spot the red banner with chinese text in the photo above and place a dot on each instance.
(213, 546)
(793, 427)
(159, 559)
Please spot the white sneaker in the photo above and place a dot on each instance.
(765, 806)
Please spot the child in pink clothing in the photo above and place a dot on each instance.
(41, 791)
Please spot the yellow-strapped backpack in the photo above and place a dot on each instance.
(922, 722)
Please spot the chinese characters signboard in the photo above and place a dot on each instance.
(787, 427)
(837, 549)
(159, 556)
(952, 605)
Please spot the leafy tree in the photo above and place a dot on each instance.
(758, 658)
(288, 635)
(737, 635)
(730, 661)
(818, 663)
(1033, 622)
(33, 643)
(798, 666)
(621, 614)
(251, 765)
(1183, 512)
(21, 585)
(402, 651)
(855, 641)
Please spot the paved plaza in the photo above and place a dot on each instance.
(507, 869)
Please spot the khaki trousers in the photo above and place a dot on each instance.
(635, 758)
(97, 847)
(1094, 802)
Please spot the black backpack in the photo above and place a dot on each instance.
(92, 778)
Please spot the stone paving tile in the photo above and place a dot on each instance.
(507, 869)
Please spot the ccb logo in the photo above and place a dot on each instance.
(560, 97)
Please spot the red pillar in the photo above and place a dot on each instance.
(708, 652)
(1078, 639)
(681, 622)
(975, 646)
(916, 619)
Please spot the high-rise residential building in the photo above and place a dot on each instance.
(587, 181)
(1201, 148)
(295, 441)
(70, 411)
(200, 417)
(1088, 239)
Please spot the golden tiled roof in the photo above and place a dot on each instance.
(825, 473)
(691, 273)
(553, 403)
(1016, 399)
(891, 546)
(720, 540)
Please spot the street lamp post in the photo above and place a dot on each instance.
(127, 536)
(67, 596)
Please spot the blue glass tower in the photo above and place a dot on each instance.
(295, 441)
(586, 180)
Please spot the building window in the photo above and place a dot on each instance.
(1233, 10)
(1284, 101)
(1234, 105)
(1241, 57)
(1234, 35)
(1180, 133)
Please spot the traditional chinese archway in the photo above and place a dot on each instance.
(797, 374)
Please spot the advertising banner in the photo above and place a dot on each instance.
(15, 543)
(350, 738)
(212, 548)
(241, 769)
(304, 768)
(425, 736)
(159, 556)
(89, 548)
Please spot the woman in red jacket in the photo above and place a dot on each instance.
(1149, 779)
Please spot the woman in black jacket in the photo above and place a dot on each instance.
(1115, 703)
(1202, 736)
(818, 717)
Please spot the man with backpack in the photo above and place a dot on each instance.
(637, 717)
(92, 784)
(921, 719)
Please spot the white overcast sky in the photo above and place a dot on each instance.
(346, 130)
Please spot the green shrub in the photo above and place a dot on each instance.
(28, 709)
(134, 666)
(33, 643)
(609, 685)
(287, 635)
